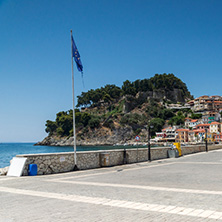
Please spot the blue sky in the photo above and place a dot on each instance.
(117, 40)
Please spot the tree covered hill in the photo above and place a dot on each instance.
(113, 114)
(109, 93)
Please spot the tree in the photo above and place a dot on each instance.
(50, 127)
(94, 122)
(128, 88)
(196, 116)
(157, 124)
(65, 122)
(177, 120)
(107, 98)
(85, 118)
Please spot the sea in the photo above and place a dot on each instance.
(10, 150)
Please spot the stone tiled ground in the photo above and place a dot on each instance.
(184, 189)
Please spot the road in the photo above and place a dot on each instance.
(188, 188)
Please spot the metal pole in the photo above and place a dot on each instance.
(124, 156)
(206, 140)
(149, 153)
(73, 99)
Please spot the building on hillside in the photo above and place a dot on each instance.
(182, 135)
(210, 137)
(190, 104)
(200, 103)
(191, 136)
(215, 127)
(167, 135)
(214, 103)
(191, 123)
(218, 98)
(187, 122)
(199, 135)
(170, 131)
(202, 126)
(203, 103)
(159, 136)
(217, 105)
(210, 116)
(218, 137)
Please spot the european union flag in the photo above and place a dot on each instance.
(76, 56)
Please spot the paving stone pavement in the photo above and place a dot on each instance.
(183, 189)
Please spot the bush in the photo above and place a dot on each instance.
(94, 122)
(138, 131)
(60, 131)
(109, 123)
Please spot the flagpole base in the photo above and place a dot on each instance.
(75, 168)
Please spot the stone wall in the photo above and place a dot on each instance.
(64, 162)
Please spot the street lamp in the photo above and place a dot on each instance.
(206, 140)
(149, 153)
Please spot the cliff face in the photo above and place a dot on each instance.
(174, 96)
(102, 136)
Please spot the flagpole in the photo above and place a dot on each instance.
(73, 98)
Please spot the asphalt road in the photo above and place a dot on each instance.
(188, 188)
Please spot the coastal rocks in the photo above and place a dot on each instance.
(3, 171)
(56, 141)
(94, 138)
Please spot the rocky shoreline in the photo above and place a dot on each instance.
(4, 171)
(103, 137)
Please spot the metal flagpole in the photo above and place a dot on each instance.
(73, 98)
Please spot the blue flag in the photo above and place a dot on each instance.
(76, 56)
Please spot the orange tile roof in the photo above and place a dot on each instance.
(203, 96)
(194, 120)
(199, 130)
(206, 124)
(181, 130)
(213, 123)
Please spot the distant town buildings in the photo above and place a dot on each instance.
(206, 103)
(209, 126)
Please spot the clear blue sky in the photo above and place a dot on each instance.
(117, 40)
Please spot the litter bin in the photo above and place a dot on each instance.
(32, 170)
(178, 147)
(171, 153)
(104, 159)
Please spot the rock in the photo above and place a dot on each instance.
(4, 171)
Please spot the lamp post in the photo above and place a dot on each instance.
(124, 156)
(149, 153)
(206, 140)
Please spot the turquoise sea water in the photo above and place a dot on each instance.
(10, 150)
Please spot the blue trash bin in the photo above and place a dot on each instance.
(32, 171)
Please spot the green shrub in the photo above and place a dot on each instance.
(60, 131)
(94, 122)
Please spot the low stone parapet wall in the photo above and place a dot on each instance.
(64, 162)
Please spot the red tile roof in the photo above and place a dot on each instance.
(214, 123)
(207, 124)
(182, 130)
(199, 130)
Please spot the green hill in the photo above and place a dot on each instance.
(113, 114)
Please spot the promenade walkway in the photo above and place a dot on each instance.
(184, 189)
